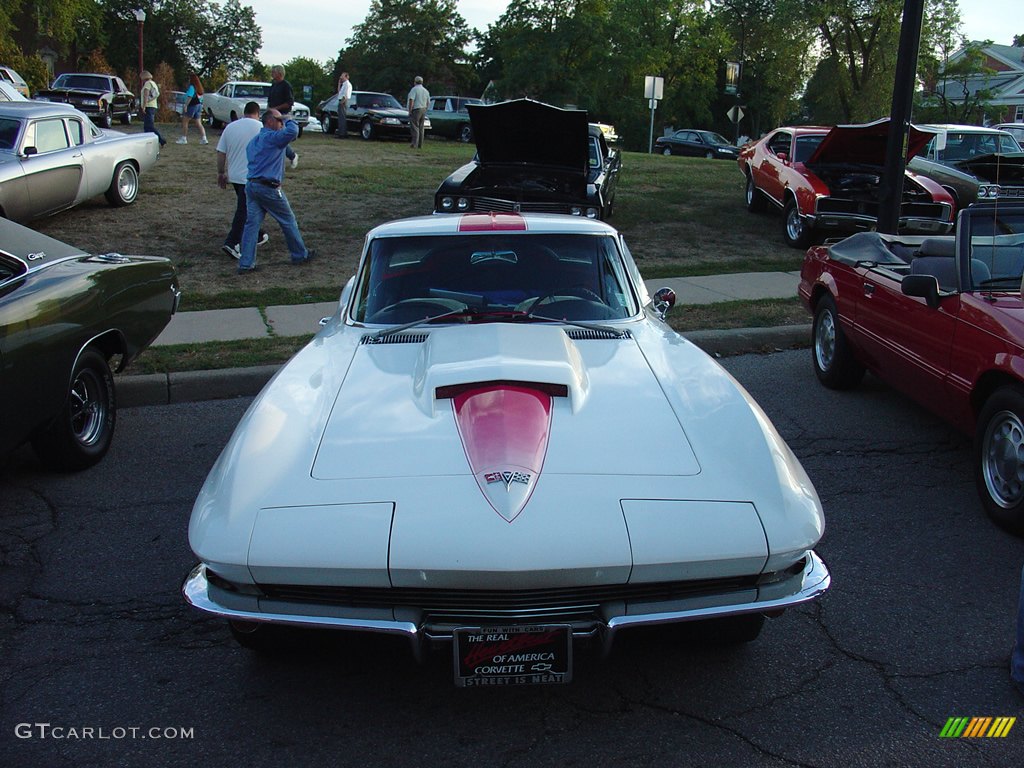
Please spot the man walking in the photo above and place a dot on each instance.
(263, 192)
(232, 168)
(344, 94)
(417, 106)
(281, 98)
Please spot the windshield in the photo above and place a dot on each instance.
(715, 138)
(997, 246)
(91, 82)
(251, 91)
(965, 145)
(9, 129)
(377, 101)
(575, 277)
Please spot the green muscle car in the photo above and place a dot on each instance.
(65, 316)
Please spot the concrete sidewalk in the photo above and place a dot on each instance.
(284, 321)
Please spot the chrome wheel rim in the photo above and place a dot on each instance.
(88, 407)
(825, 341)
(1002, 459)
(750, 190)
(794, 227)
(128, 184)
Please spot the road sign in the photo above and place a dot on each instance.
(735, 114)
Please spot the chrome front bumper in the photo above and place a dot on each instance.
(804, 586)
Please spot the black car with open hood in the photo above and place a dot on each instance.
(533, 157)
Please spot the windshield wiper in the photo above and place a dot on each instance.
(590, 326)
(414, 323)
(1004, 280)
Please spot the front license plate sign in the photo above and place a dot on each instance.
(517, 655)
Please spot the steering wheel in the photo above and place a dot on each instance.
(576, 291)
(435, 306)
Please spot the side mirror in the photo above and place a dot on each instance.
(29, 151)
(664, 299)
(922, 286)
(784, 157)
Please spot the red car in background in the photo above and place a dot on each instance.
(827, 181)
(942, 320)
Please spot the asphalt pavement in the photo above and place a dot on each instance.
(284, 321)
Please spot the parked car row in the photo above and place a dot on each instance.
(227, 103)
(100, 96)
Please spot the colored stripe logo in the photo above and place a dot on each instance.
(977, 727)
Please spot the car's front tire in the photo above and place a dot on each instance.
(124, 186)
(366, 130)
(794, 229)
(106, 119)
(126, 118)
(80, 436)
(256, 636)
(328, 123)
(999, 458)
(834, 362)
(709, 155)
(666, 151)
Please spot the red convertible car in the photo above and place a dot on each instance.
(941, 319)
(827, 181)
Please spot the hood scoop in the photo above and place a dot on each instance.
(540, 356)
(504, 430)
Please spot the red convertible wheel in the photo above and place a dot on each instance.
(834, 363)
(999, 454)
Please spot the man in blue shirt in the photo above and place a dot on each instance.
(263, 193)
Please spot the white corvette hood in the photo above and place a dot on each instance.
(503, 456)
(394, 416)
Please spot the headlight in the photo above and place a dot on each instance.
(391, 121)
(90, 102)
(447, 203)
(463, 204)
(40, 98)
(988, 190)
(576, 210)
(591, 213)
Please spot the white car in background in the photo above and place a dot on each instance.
(227, 103)
(497, 444)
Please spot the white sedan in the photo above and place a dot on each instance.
(497, 443)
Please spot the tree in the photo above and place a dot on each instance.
(225, 35)
(302, 71)
(400, 39)
(959, 93)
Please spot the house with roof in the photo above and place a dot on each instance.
(1003, 78)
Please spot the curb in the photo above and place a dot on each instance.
(197, 386)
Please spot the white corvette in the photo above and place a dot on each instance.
(497, 443)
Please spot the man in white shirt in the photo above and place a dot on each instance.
(233, 168)
(344, 94)
(418, 99)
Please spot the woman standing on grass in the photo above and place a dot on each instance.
(193, 109)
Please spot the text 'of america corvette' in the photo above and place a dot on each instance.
(496, 444)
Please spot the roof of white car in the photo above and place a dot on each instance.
(488, 223)
(952, 127)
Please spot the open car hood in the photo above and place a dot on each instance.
(532, 133)
(864, 144)
(999, 169)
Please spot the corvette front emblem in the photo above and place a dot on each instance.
(507, 478)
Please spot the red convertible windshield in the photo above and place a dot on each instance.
(575, 277)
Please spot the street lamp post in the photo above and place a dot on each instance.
(140, 16)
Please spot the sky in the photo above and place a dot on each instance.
(318, 28)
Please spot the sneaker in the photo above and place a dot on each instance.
(264, 238)
(295, 160)
(203, 141)
(181, 140)
(232, 251)
(310, 255)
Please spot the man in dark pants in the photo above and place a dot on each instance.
(281, 98)
(233, 169)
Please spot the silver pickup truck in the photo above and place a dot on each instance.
(227, 104)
